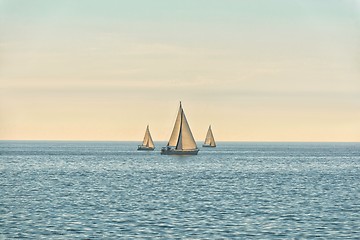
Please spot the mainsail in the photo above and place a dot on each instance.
(209, 140)
(148, 142)
(181, 136)
(176, 131)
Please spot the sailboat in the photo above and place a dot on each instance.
(209, 140)
(182, 141)
(147, 143)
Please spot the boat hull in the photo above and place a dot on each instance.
(165, 151)
(206, 145)
(144, 148)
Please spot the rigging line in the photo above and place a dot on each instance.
(181, 120)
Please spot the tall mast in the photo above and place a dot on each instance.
(181, 121)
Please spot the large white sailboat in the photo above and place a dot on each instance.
(209, 140)
(182, 141)
(147, 143)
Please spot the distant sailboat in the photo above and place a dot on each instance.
(181, 141)
(209, 140)
(147, 143)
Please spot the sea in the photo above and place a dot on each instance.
(238, 190)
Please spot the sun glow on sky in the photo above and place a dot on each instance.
(256, 70)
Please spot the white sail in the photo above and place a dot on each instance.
(148, 142)
(181, 136)
(186, 141)
(176, 131)
(209, 140)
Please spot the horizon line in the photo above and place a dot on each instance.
(135, 141)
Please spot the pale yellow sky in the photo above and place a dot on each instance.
(254, 70)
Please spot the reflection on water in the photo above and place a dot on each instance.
(68, 190)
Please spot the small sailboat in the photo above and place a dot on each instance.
(209, 140)
(147, 143)
(182, 141)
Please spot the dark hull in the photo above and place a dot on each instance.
(205, 145)
(142, 148)
(179, 152)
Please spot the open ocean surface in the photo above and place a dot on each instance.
(95, 190)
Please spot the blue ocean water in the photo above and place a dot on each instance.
(94, 190)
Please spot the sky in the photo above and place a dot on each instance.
(256, 70)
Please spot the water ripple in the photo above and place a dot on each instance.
(66, 190)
